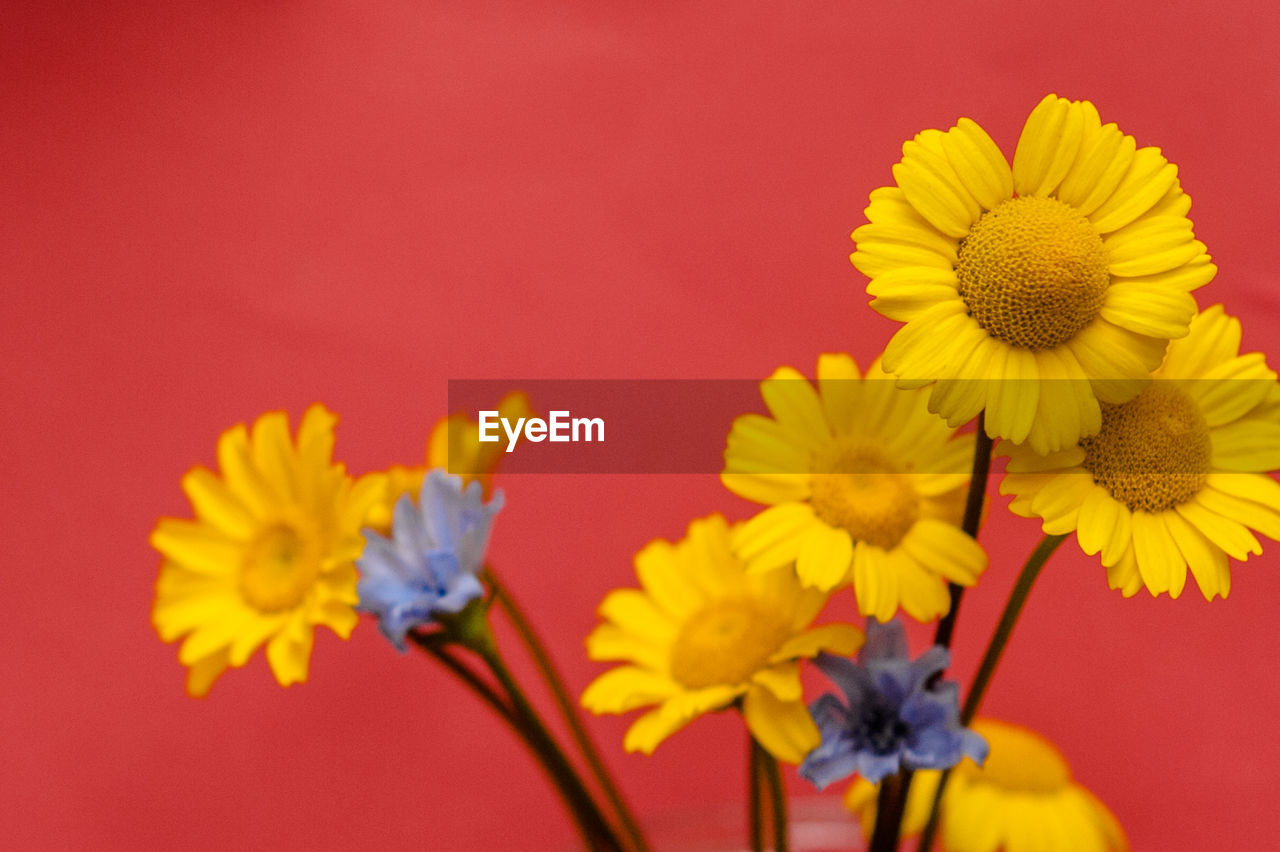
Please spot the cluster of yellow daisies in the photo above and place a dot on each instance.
(1053, 297)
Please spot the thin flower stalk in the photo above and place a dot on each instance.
(564, 703)
(991, 659)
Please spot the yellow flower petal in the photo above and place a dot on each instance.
(204, 672)
(978, 163)
(1119, 362)
(773, 538)
(1124, 576)
(1048, 146)
(841, 639)
(919, 353)
(875, 581)
(946, 550)
(1257, 516)
(784, 728)
(768, 488)
(934, 190)
(626, 688)
(1232, 388)
(906, 292)
(1103, 525)
(1213, 339)
(824, 556)
(1208, 564)
(794, 405)
(273, 454)
(658, 569)
(289, 653)
(1105, 157)
(196, 547)
(1154, 312)
(782, 680)
(1149, 177)
(1230, 535)
(635, 611)
(676, 712)
(1159, 560)
(217, 505)
(1246, 446)
(1058, 502)
(609, 642)
(1150, 245)
(838, 386)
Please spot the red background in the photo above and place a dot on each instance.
(212, 210)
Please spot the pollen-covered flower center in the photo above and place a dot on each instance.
(1033, 272)
(726, 642)
(1019, 761)
(1153, 452)
(280, 565)
(855, 486)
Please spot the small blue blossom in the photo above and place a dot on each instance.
(893, 718)
(429, 564)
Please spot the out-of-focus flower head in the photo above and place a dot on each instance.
(455, 447)
(269, 555)
(703, 635)
(863, 484)
(1022, 799)
(891, 716)
(429, 564)
(1177, 477)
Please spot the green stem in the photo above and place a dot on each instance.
(1009, 618)
(889, 808)
(433, 646)
(991, 659)
(542, 659)
(973, 504)
(466, 675)
(893, 796)
(596, 831)
(777, 796)
(755, 820)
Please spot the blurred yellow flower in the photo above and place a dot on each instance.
(1033, 292)
(455, 447)
(861, 479)
(269, 555)
(703, 635)
(1177, 476)
(1021, 800)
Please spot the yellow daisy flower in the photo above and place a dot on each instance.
(703, 634)
(1176, 478)
(1022, 799)
(1076, 264)
(860, 478)
(454, 446)
(269, 555)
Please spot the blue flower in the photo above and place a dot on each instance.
(894, 717)
(429, 564)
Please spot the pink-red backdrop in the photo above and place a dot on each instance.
(215, 209)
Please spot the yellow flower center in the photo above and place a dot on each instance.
(1153, 452)
(1033, 272)
(279, 567)
(1020, 761)
(726, 642)
(857, 488)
